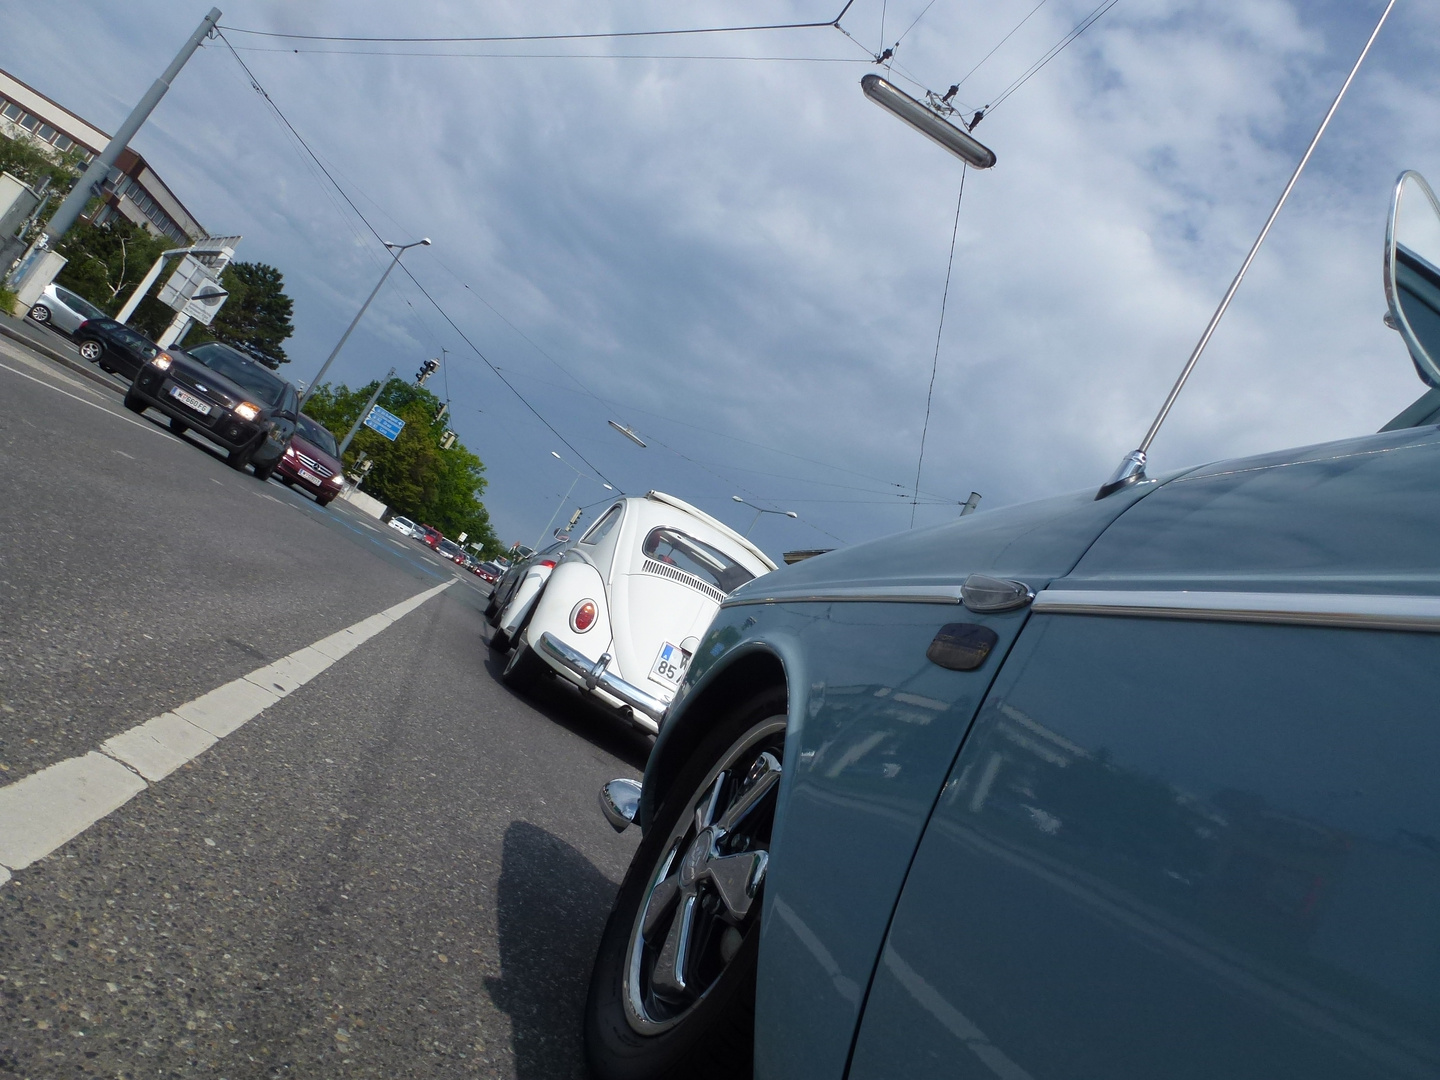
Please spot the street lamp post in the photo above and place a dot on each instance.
(398, 249)
(761, 510)
(578, 475)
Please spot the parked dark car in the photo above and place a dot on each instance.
(114, 346)
(312, 461)
(230, 398)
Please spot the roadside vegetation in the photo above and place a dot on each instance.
(413, 475)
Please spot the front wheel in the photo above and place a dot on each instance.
(238, 459)
(672, 994)
(179, 427)
(90, 350)
(263, 472)
(524, 669)
(134, 402)
(41, 314)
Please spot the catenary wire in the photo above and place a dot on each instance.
(434, 303)
(552, 56)
(935, 365)
(1007, 37)
(1084, 24)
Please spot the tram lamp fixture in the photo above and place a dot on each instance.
(959, 142)
(629, 434)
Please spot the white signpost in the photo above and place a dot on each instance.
(194, 291)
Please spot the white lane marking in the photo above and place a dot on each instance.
(77, 397)
(122, 453)
(53, 806)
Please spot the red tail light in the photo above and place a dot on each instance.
(582, 617)
(548, 564)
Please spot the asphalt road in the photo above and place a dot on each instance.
(397, 869)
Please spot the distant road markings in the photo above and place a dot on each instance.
(53, 806)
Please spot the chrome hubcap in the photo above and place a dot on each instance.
(702, 896)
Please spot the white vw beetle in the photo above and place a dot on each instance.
(624, 609)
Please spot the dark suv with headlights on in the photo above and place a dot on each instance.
(312, 461)
(224, 395)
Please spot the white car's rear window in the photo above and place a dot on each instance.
(673, 548)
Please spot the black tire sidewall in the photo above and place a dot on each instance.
(708, 1041)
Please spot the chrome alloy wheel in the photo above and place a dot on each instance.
(703, 896)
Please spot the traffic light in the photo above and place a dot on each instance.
(440, 413)
(426, 370)
(447, 440)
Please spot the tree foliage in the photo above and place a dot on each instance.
(23, 160)
(412, 475)
(105, 262)
(256, 317)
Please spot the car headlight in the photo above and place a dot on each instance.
(246, 411)
(337, 479)
(161, 360)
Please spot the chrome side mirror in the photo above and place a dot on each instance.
(1412, 272)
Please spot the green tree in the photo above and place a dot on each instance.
(256, 317)
(24, 160)
(413, 475)
(105, 262)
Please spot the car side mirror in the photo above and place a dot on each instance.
(1412, 272)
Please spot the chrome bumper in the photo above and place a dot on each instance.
(647, 708)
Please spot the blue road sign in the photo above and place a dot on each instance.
(385, 422)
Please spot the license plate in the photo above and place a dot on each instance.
(190, 401)
(670, 665)
(306, 474)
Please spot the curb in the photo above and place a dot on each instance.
(84, 371)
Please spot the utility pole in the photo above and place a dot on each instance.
(364, 413)
(70, 209)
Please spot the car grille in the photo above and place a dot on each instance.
(674, 573)
(318, 468)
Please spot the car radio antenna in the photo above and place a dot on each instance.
(1132, 468)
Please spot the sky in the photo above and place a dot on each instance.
(718, 241)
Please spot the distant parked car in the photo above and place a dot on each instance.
(224, 395)
(406, 527)
(312, 461)
(516, 591)
(430, 536)
(490, 572)
(622, 613)
(114, 346)
(451, 550)
(60, 309)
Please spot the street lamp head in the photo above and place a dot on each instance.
(737, 498)
(556, 456)
(609, 488)
(791, 514)
(425, 240)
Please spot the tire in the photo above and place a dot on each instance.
(326, 501)
(179, 427)
(41, 314)
(133, 403)
(524, 669)
(90, 349)
(636, 1026)
(238, 459)
(262, 472)
(499, 641)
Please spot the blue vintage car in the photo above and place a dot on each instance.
(1144, 785)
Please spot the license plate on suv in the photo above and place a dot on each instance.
(190, 401)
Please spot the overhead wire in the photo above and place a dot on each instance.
(551, 56)
(961, 81)
(935, 364)
(434, 303)
(1034, 69)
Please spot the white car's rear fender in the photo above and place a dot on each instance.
(572, 582)
(523, 599)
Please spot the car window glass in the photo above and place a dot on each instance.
(674, 548)
(240, 369)
(78, 304)
(601, 528)
(320, 436)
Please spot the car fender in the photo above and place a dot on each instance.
(522, 600)
(572, 581)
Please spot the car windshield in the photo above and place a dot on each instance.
(240, 369)
(319, 436)
(79, 304)
(674, 548)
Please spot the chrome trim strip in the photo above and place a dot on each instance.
(894, 594)
(1369, 611)
(648, 710)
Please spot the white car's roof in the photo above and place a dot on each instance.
(718, 526)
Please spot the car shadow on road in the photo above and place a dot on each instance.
(552, 907)
(558, 701)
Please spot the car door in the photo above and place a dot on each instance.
(1195, 829)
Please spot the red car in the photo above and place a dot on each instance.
(432, 536)
(312, 462)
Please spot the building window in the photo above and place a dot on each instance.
(28, 122)
(13, 111)
(63, 143)
(47, 133)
